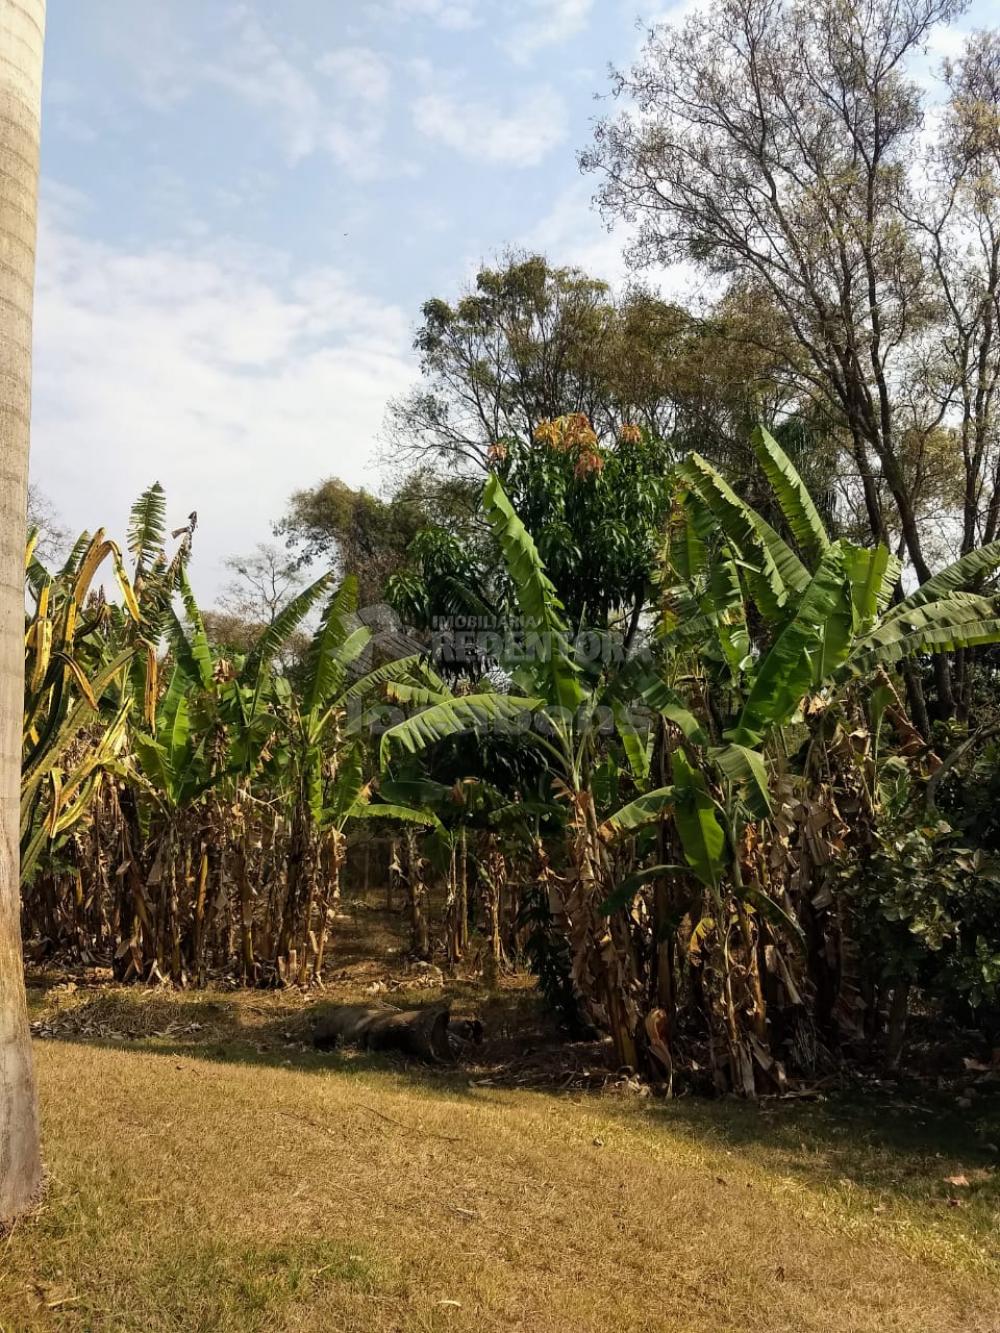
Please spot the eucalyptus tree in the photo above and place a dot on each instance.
(770, 141)
(22, 27)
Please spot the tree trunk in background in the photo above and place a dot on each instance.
(22, 25)
(420, 940)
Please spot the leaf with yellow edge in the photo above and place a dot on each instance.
(125, 584)
(76, 671)
(55, 777)
(95, 553)
(152, 685)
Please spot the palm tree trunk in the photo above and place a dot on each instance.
(22, 25)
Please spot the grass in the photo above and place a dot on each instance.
(207, 1171)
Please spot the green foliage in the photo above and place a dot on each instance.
(927, 908)
(796, 503)
(702, 836)
(147, 527)
(452, 718)
(674, 806)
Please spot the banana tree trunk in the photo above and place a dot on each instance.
(603, 967)
(420, 942)
(299, 890)
(463, 893)
(335, 856)
(393, 874)
(453, 943)
(492, 877)
(22, 26)
(240, 874)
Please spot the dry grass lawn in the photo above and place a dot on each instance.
(208, 1172)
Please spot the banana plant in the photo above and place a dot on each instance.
(323, 762)
(560, 705)
(75, 704)
(825, 620)
(824, 614)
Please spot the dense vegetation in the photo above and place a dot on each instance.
(698, 718)
(706, 818)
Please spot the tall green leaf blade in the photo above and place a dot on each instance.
(454, 718)
(349, 784)
(636, 744)
(756, 543)
(178, 737)
(285, 623)
(404, 692)
(819, 630)
(200, 648)
(638, 680)
(703, 838)
(792, 494)
(873, 573)
(155, 765)
(793, 572)
(962, 621)
(324, 671)
(625, 892)
(412, 670)
(645, 809)
(384, 810)
(747, 768)
(535, 593)
(976, 565)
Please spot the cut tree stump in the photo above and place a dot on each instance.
(419, 1032)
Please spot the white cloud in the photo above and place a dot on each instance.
(151, 46)
(359, 82)
(480, 130)
(338, 103)
(256, 71)
(573, 233)
(546, 23)
(357, 71)
(457, 15)
(217, 370)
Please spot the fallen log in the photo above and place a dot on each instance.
(419, 1032)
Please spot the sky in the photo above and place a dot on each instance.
(243, 206)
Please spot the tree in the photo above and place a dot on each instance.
(263, 582)
(250, 602)
(771, 142)
(43, 521)
(532, 341)
(22, 26)
(754, 642)
(959, 225)
(524, 344)
(596, 514)
(566, 697)
(360, 533)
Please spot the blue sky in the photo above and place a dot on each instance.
(243, 207)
